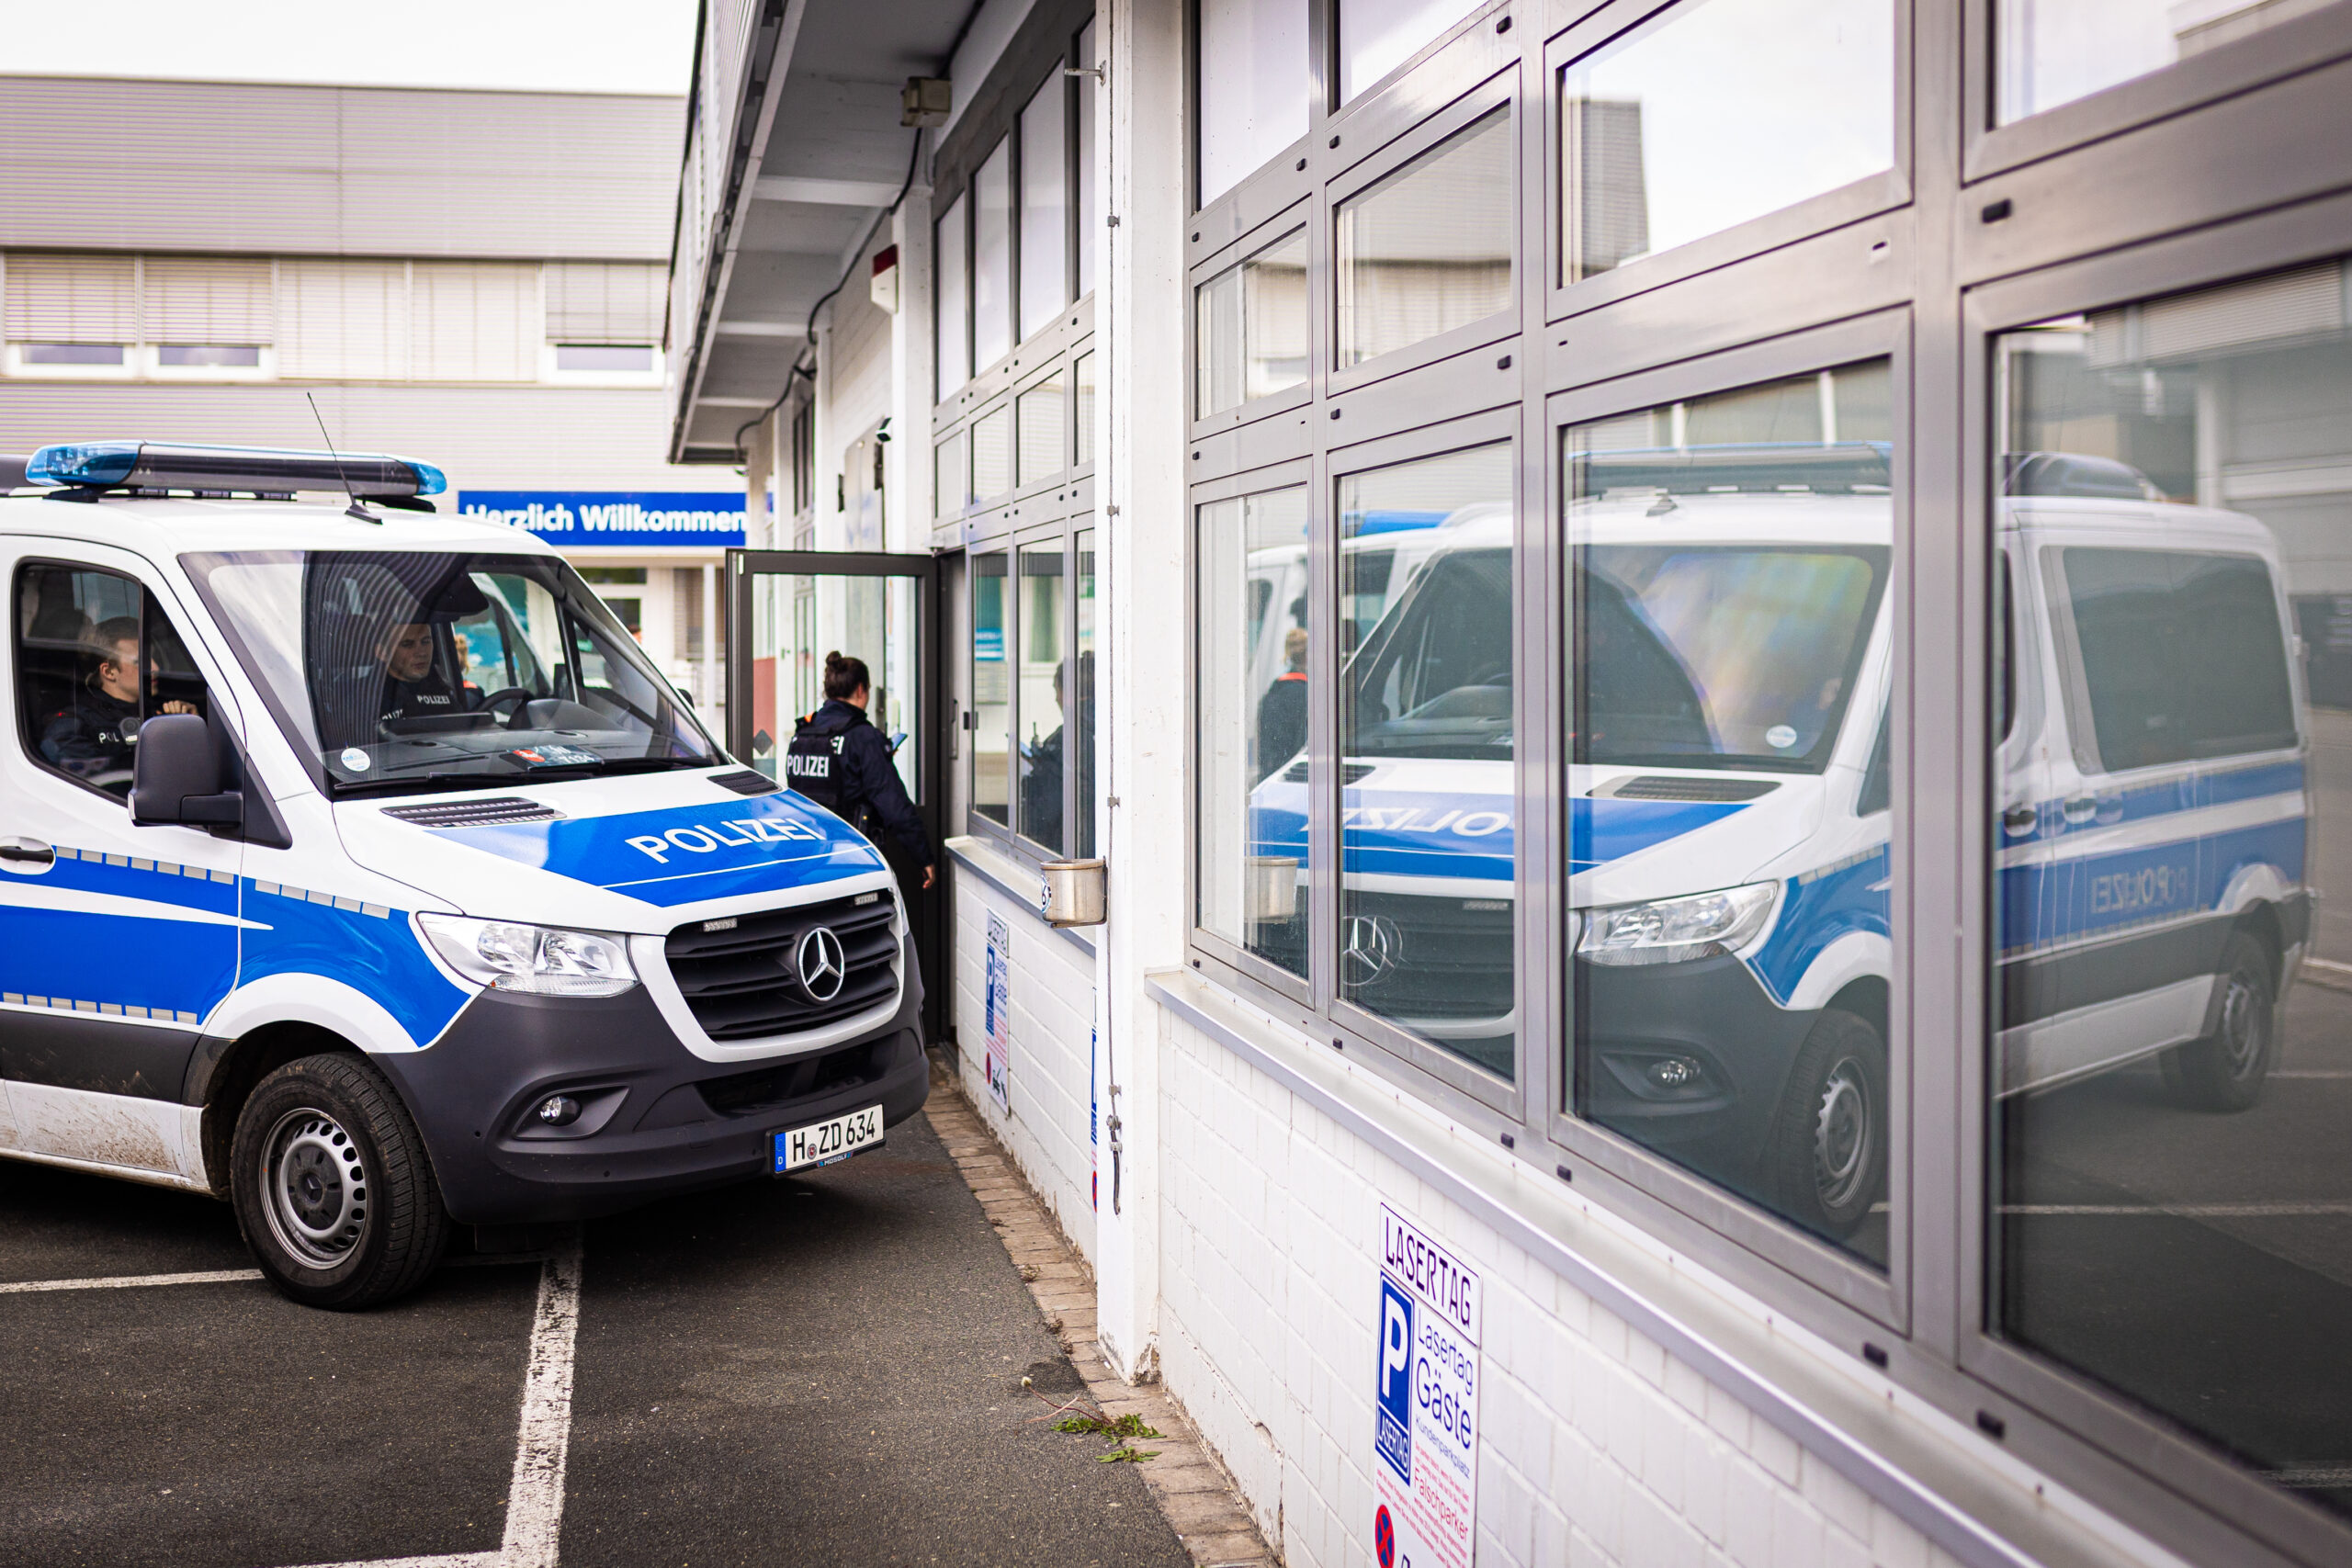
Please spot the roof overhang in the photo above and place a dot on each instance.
(796, 158)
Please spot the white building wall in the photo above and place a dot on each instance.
(1052, 1016)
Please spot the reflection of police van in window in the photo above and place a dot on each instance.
(356, 866)
(1728, 800)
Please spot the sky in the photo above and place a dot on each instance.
(620, 46)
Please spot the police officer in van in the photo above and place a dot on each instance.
(839, 760)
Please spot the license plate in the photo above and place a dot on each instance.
(823, 1143)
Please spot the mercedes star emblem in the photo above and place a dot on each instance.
(1372, 947)
(822, 965)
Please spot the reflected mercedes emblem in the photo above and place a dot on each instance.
(822, 965)
(1370, 947)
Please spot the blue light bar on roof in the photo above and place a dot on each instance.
(150, 465)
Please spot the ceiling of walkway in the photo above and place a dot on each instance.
(834, 159)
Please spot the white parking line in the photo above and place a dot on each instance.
(2189, 1210)
(535, 1497)
(543, 1442)
(131, 1281)
(2320, 1476)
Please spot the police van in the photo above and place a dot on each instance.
(1728, 795)
(357, 867)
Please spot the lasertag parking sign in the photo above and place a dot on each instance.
(1425, 1437)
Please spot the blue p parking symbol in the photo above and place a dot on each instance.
(1394, 1440)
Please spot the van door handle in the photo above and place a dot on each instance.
(2081, 809)
(26, 857)
(2020, 820)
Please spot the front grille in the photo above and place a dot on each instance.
(741, 982)
(745, 1094)
(1447, 958)
(474, 813)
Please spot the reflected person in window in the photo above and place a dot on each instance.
(95, 735)
(1282, 711)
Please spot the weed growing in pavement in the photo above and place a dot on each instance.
(1128, 1455)
(1128, 1426)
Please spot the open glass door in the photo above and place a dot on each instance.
(788, 610)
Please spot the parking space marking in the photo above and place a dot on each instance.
(131, 1281)
(2287, 1211)
(535, 1498)
(543, 1441)
(462, 1560)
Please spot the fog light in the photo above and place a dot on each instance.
(1667, 1072)
(560, 1111)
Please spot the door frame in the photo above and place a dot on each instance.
(930, 920)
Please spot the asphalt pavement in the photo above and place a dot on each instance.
(824, 1370)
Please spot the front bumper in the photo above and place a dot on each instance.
(656, 1118)
(1710, 1011)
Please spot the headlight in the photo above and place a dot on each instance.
(1674, 931)
(533, 959)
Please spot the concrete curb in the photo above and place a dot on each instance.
(1191, 1489)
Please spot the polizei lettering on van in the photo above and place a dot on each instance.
(702, 839)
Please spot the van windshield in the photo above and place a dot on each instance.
(1718, 655)
(408, 671)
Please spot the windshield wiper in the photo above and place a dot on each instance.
(419, 781)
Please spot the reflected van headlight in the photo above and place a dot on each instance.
(535, 960)
(1675, 931)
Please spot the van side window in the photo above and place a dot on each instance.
(1878, 779)
(95, 658)
(2183, 656)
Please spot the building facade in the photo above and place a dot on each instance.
(1706, 642)
(474, 278)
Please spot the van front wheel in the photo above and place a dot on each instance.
(332, 1187)
(2225, 1070)
(1829, 1150)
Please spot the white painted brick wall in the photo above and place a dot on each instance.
(1597, 1448)
(1053, 999)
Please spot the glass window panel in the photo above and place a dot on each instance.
(2047, 55)
(1089, 211)
(955, 321)
(992, 453)
(952, 475)
(992, 259)
(1718, 112)
(1429, 248)
(2171, 1045)
(1044, 204)
(1377, 35)
(1256, 86)
(1727, 828)
(1045, 677)
(1081, 701)
(1251, 322)
(1426, 861)
(1252, 707)
(1082, 387)
(991, 689)
(1044, 426)
(1387, 528)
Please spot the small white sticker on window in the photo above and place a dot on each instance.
(1779, 737)
(355, 759)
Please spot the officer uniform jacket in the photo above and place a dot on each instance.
(839, 760)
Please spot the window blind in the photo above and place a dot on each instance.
(209, 300)
(72, 300)
(614, 303)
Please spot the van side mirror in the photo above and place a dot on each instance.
(178, 773)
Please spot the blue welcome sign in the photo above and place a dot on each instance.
(570, 519)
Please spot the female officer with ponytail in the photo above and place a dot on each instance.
(839, 760)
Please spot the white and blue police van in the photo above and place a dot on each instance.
(357, 867)
(1728, 803)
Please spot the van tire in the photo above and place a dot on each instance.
(2225, 1071)
(1827, 1157)
(332, 1187)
